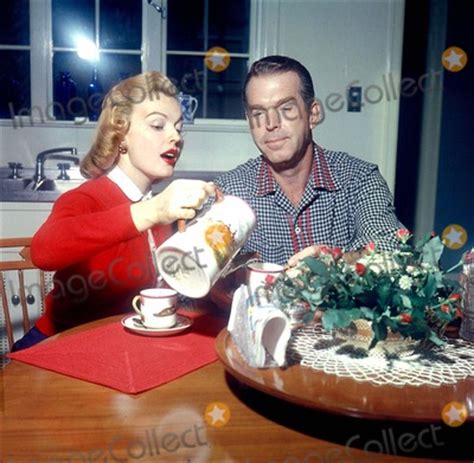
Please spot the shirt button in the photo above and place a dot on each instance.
(297, 230)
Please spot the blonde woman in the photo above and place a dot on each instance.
(98, 236)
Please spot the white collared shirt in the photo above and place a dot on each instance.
(125, 183)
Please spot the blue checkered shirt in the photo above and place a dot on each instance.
(346, 203)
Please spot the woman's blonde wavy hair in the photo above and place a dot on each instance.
(114, 121)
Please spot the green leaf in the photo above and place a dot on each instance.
(430, 287)
(435, 339)
(380, 330)
(406, 301)
(432, 251)
(383, 291)
(367, 313)
(339, 318)
(419, 245)
(316, 266)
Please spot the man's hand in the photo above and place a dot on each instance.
(313, 250)
(316, 249)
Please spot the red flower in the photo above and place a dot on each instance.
(360, 269)
(324, 250)
(269, 279)
(370, 247)
(459, 314)
(403, 234)
(455, 297)
(336, 253)
(444, 308)
(405, 318)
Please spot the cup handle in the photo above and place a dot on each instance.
(136, 304)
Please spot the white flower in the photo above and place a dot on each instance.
(412, 270)
(405, 282)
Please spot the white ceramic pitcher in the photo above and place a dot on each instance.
(191, 261)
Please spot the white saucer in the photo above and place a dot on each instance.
(134, 324)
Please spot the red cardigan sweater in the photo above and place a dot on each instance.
(100, 258)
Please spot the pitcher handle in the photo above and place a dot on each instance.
(182, 222)
(194, 105)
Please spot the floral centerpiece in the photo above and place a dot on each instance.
(402, 291)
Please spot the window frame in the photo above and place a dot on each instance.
(262, 41)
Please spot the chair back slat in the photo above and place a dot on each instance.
(13, 280)
(24, 309)
(6, 312)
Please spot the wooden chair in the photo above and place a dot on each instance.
(16, 294)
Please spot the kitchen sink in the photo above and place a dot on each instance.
(14, 184)
(57, 185)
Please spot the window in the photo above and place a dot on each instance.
(15, 57)
(96, 43)
(209, 26)
(76, 50)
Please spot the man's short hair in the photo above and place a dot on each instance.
(277, 64)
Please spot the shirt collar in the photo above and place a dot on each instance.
(125, 183)
(321, 176)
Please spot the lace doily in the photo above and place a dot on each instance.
(313, 347)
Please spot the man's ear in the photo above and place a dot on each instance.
(314, 114)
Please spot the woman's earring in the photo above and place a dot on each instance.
(122, 149)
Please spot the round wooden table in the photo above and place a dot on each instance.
(207, 416)
(330, 393)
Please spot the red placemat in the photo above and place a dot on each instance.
(114, 357)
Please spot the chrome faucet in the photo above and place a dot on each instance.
(65, 153)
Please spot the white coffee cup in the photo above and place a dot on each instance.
(260, 279)
(192, 261)
(156, 307)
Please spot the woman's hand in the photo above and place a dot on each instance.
(179, 200)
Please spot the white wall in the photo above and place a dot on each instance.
(342, 41)
(338, 40)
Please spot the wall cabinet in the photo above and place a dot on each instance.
(22, 219)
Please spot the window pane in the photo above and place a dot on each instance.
(224, 99)
(223, 88)
(185, 25)
(110, 69)
(15, 22)
(71, 76)
(229, 25)
(72, 19)
(14, 83)
(187, 74)
(120, 24)
(114, 67)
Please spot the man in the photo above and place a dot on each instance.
(303, 195)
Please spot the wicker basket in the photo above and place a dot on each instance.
(359, 334)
